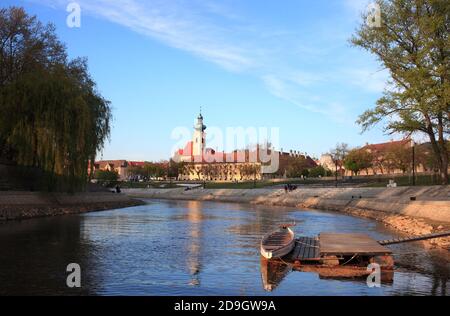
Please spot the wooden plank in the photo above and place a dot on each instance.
(296, 251)
(306, 249)
(303, 248)
(311, 248)
(316, 248)
(350, 244)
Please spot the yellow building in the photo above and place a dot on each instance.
(206, 164)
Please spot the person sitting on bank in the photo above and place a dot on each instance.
(118, 189)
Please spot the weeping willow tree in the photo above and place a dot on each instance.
(52, 118)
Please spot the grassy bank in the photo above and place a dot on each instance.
(359, 181)
(421, 180)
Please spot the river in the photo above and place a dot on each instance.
(191, 248)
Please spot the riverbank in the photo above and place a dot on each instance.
(25, 205)
(410, 210)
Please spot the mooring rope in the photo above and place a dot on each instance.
(354, 256)
(298, 241)
(279, 258)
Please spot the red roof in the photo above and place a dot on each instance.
(237, 156)
(187, 151)
(113, 163)
(384, 146)
(118, 163)
(136, 163)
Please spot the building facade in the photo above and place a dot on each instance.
(393, 157)
(206, 164)
(121, 167)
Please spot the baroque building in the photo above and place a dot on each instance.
(206, 164)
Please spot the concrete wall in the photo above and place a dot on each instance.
(431, 203)
(37, 198)
(23, 205)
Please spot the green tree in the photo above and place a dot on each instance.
(317, 172)
(51, 116)
(357, 160)
(338, 154)
(136, 171)
(398, 157)
(413, 44)
(106, 175)
(155, 169)
(425, 157)
(176, 168)
(298, 167)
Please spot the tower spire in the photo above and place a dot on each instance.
(199, 136)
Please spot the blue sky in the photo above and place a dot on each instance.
(285, 64)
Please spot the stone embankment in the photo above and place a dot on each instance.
(411, 210)
(24, 205)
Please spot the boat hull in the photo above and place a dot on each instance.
(270, 249)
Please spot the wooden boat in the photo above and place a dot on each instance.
(278, 243)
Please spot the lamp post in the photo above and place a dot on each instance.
(413, 163)
(336, 173)
(168, 173)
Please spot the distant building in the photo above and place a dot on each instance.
(383, 157)
(207, 164)
(382, 163)
(326, 161)
(119, 166)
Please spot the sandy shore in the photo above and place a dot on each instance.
(26, 205)
(410, 210)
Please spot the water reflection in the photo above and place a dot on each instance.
(35, 254)
(273, 272)
(190, 248)
(195, 221)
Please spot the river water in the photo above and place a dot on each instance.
(191, 248)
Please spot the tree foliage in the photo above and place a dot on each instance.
(357, 160)
(413, 45)
(319, 171)
(51, 115)
(106, 175)
(298, 167)
(151, 170)
(338, 154)
(398, 157)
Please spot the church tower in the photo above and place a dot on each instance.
(198, 140)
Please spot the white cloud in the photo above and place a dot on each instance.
(291, 92)
(235, 44)
(368, 79)
(173, 24)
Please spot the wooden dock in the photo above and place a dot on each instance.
(336, 256)
(332, 244)
(330, 255)
(335, 249)
(306, 249)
